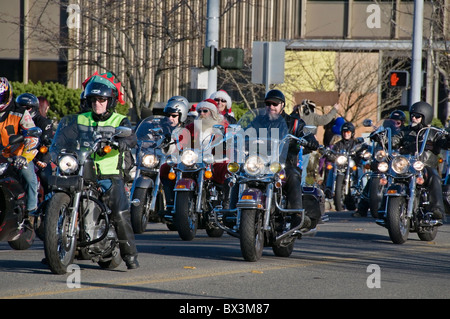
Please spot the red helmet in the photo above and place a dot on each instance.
(5, 93)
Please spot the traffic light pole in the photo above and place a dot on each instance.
(416, 74)
(212, 39)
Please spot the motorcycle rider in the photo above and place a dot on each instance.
(31, 103)
(399, 118)
(14, 119)
(421, 115)
(103, 98)
(224, 103)
(176, 111)
(306, 111)
(276, 117)
(347, 142)
(395, 122)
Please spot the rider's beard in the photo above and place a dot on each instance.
(273, 116)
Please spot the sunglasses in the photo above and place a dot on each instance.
(99, 99)
(220, 100)
(416, 115)
(203, 111)
(172, 115)
(272, 104)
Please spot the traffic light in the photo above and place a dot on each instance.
(231, 58)
(399, 79)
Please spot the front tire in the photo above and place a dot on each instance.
(59, 245)
(375, 196)
(251, 235)
(339, 193)
(398, 222)
(185, 219)
(139, 214)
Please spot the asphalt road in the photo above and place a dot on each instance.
(348, 258)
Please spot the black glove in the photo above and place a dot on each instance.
(120, 144)
(19, 161)
(375, 137)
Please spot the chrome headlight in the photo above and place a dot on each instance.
(383, 167)
(189, 158)
(400, 164)
(254, 165)
(418, 165)
(150, 161)
(380, 155)
(68, 164)
(341, 160)
(366, 155)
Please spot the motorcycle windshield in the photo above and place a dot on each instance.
(72, 137)
(262, 134)
(152, 129)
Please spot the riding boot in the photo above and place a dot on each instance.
(125, 234)
(435, 192)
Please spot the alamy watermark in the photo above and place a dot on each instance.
(74, 279)
(74, 19)
(374, 279)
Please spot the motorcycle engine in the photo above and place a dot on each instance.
(95, 227)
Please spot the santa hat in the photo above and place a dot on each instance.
(209, 104)
(192, 110)
(222, 94)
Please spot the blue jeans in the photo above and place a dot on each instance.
(31, 186)
(305, 159)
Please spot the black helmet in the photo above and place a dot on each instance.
(424, 109)
(275, 96)
(347, 126)
(30, 102)
(96, 89)
(398, 115)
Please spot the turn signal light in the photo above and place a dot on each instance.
(208, 174)
(43, 149)
(420, 180)
(107, 149)
(172, 176)
(383, 181)
(247, 197)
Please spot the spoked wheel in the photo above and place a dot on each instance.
(397, 222)
(251, 235)
(185, 219)
(59, 244)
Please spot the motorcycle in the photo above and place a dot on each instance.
(380, 156)
(15, 226)
(260, 217)
(147, 194)
(196, 193)
(346, 181)
(405, 202)
(77, 222)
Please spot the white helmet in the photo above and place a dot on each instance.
(179, 106)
